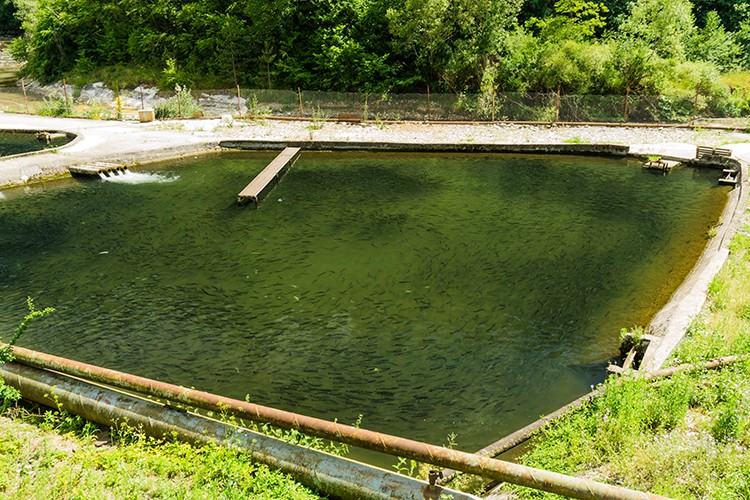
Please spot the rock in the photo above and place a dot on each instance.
(96, 93)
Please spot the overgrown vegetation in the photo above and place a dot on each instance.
(54, 106)
(674, 48)
(687, 436)
(181, 105)
(48, 454)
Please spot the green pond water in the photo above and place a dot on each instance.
(433, 294)
(12, 143)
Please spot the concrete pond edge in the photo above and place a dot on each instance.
(668, 325)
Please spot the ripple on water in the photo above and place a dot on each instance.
(432, 294)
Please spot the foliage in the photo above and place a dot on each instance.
(377, 46)
(54, 106)
(9, 22)
(58, 458)
(181, 105)
(713, 44)
(6, 350)
(662, 25)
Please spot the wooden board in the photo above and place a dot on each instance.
(260, 186)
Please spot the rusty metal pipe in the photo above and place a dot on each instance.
(522, 435)
(330, 474)
(392, 445)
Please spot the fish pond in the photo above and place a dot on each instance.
(432, 294)
(12, 143)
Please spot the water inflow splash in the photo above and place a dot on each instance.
(125, 176)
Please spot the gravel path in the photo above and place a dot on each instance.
(132, 142)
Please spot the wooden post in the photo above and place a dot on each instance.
(557, 107)
(143, 106)
(25, 98)
(428, 102)
(239, 103)
(299, 94)
(65, 93)
(178, 89)
(627, 101)
(493, 106)
(118, 106)
(695, 101)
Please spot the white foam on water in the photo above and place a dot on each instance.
(138, 178)
(2, 196)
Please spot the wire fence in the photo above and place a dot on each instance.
(96, 101)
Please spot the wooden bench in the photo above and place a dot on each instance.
(712, 153)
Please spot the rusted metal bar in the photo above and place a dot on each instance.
(363, 438)
(522, 435)
(709, 365)
(333, 475)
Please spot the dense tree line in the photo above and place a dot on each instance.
(579, 46)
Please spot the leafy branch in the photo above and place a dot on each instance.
(6, 350)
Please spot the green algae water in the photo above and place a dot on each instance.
(433, 294)
(12, 143)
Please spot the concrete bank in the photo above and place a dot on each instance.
(120, 142)
(671, 323)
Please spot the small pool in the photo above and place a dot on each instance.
(433, 294)
(12, 143)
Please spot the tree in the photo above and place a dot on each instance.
(480, 28)
(663, 25)
(9, 21)
(634, 67)
(421, 28)
(713, 44)
(573, 20)
(726, 9)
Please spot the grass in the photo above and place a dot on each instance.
(181, 105)
(687, 436)
(52, 454)
(737, 80)
(575, 140)
(35, 463)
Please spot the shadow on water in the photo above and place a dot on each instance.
(432, 294)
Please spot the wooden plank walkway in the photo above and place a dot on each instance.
(259, 187)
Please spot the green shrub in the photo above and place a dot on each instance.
(182, 105)
(54, 106)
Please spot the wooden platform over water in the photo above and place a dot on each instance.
(261, 185)
(660, 164)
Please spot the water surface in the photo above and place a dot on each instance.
(433, 294)
(12, 143)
